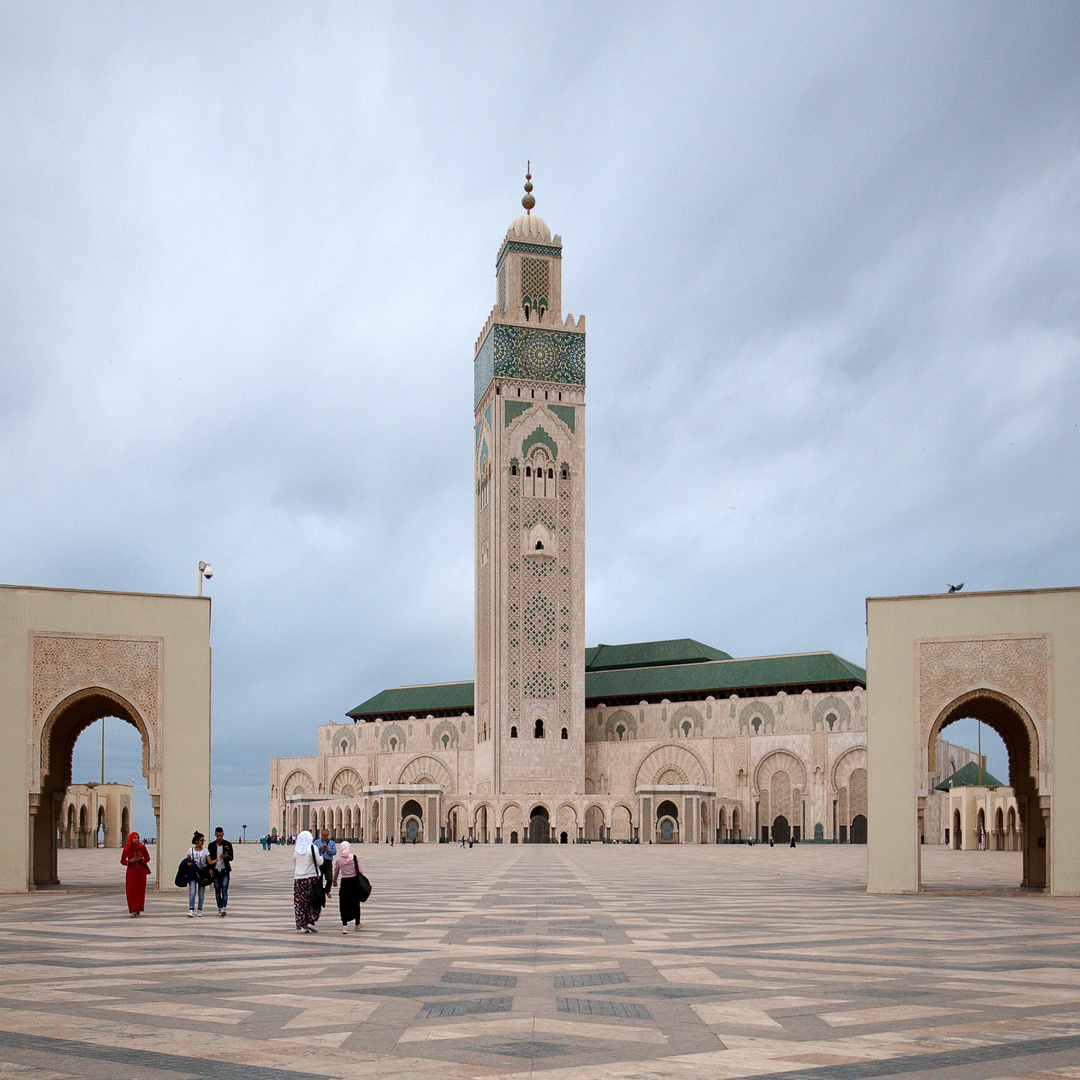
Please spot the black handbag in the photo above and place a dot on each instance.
(204, 875)
(363, 886)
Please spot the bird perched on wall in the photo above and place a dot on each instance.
(956, 588)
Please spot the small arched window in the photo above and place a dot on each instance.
(565, 734)
(538, 729)
(756, 724)
(539, 545)
(513, 468)
(513, 732)
(528, 470)
(831, 720)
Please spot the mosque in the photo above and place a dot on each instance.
(553, 742)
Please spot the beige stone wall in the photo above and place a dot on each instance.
(70, 656)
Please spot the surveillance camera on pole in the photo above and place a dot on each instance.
(204, 572)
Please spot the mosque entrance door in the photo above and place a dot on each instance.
(539, 827)
(412, 816)
(858, 829)
(667, 822)
(781, 830)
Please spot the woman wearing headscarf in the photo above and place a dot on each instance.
(347, 882)
(137, 860)
(306, 864)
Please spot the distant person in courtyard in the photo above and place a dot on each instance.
(307, 864)
(327, 849)
(347, 882)
(221, 855)
(137, 860)
(200, 873)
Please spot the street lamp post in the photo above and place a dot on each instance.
(244, 827)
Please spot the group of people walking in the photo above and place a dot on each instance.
(319, 867)
(208, 866)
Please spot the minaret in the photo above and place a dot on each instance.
(530, 525)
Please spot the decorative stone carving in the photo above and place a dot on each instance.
(1015, 666)
(65, 665)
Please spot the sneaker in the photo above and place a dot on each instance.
(191, 914)
(224, 912)
(312, 928)
(358, 924)
(198, 914)
(344, 929)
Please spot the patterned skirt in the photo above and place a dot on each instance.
(302, 907)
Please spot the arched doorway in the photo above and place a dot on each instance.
(667, 822)
(539, 826)
(781, 829)
(1017, 731)
(62, 727)
(858, 829)
(412, 821)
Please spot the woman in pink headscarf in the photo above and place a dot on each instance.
(137, 860)
(347, 882)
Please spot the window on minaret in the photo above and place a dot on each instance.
(534, 288)
(513, 732)
(539, 478)
(538, 730)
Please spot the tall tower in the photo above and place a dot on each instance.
(529, 372)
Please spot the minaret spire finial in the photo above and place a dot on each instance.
(527, 200)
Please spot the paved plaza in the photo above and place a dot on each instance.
(580, 961)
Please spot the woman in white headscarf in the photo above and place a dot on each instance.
(306, 863)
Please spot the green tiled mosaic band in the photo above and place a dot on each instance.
(525, 352)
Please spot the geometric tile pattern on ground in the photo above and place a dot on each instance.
(600, 961)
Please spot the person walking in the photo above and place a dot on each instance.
(347, 882)
(221, 855)
(200, 873)
(137, 860)
(307, 863)
(327, 849)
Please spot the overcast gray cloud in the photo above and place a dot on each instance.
(828, 256)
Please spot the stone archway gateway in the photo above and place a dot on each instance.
(71, 657)
(1009, 659)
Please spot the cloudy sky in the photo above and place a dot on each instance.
(828, 255)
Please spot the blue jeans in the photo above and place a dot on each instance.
(221, 888)
(191, 887)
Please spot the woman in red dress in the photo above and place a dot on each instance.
(137, 860)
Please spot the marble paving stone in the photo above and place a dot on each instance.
(680, 962)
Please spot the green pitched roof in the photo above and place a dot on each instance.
(804, 671)
(968, 776)
(650, 669)
(452, 698)
(650, 654)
